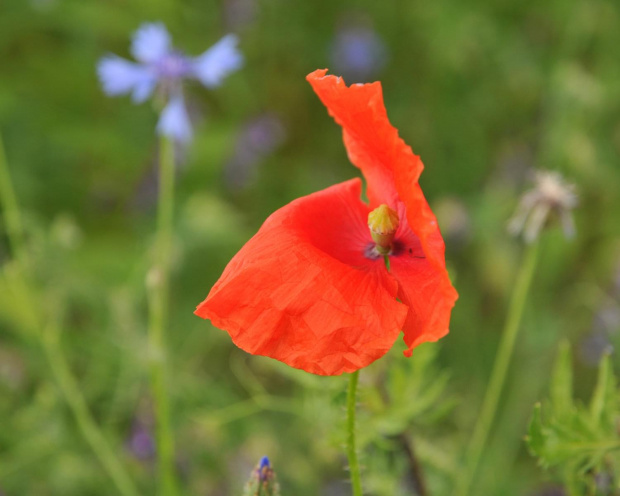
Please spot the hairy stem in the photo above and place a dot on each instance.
(500, 369)
(49, 342)
(354, 467)
(159, 278)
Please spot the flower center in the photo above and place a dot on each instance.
(173, 66)
(383, 223)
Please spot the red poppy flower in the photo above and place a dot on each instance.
(310, 289)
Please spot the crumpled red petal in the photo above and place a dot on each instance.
(392, 171)
(430, 300)
(425, 289)
(301, 291)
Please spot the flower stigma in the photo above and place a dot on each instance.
(383, 223)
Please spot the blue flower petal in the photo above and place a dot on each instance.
(264, 462)
(174, 121)
(150, 43)
(217, 62)
(119, 76)
(143, 89)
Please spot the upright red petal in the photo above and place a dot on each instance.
(302, 292)
(389, 165)
(372, 142)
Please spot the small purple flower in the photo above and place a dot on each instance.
(358, 52)
(163, 68)
(141, 443)
(239, 13)
(259, 137)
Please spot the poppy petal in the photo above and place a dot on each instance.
(429, 295)
(372, 142)
(392, 171)
(389, 165)
(301, 290)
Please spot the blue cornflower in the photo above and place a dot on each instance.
(162, 68)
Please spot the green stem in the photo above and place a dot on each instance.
(49, 342)
(158, 319)
(354, 467)
(83, 417)
(500, 369)
(14, 228)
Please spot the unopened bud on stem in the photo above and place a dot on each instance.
(262, 480)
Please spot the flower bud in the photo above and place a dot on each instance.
(383, 223)
(262, 480)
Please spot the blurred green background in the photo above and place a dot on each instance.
(485, 91)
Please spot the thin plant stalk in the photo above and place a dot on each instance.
(14, 227)
(159, 288)
(49, 342)
(354, 467)
(500, 369)
(83, 417)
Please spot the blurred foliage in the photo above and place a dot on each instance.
(484, 91)
(583, 442)
(404, 425)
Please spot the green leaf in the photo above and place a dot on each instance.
(562, 381)
(603, 402)
(535, 435)
(576, 439)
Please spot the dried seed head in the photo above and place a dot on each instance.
(551, 196)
